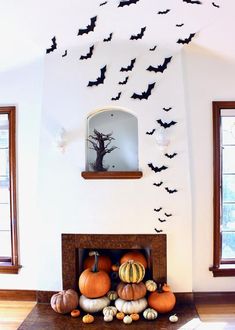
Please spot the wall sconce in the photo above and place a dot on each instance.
(162, 138)
(61, 140)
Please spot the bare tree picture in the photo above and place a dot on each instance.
(100, 143)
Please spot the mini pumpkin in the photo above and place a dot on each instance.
(162, 302)
(108, 318)
(134, 255)
(127, 319)
(151, 286)
(115, 267)
(110, 310)
(112, 295)
(150, 314)
(173, 318)
(133, 306)
(131, 272)
(88, 318)
(131, 291)
(104, 262)
(120, 315)
(64, 301)
(135, 316)
(75, 313)
(93, 305)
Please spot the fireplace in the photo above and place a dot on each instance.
(76, 246)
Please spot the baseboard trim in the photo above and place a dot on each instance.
(18, 295)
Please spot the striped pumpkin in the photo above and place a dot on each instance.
(131, 272)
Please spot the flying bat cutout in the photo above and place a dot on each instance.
(109, 38)
(158, 210)
(89, 54)
(171, 191)
(89, 28)
(151, 132)
(165, 124)
(171, 155)
(158, 184)
(186, 40)
(157, 169)
(168, 215)
(158, 230)
(53, 46)
(161, 220)
(103, 3)
(193, 2)
(215, 5)
(163, 12)
(65, 53)
(180, 25)
(152, 49)
(100, 79)
(127, 3)
(167, 109)
(160, 68)
(138, 35)
(129, 67)
(117, 97)
(144, 95)
(124, 81)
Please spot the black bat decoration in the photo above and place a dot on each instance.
(53, 46)
(151, 132)
(99, 80)
(193, 2)
(161, 220)
(165, 124)
(152, 49)
(168, 215)
(166, 109)
(109, 38)
(171, 156)
(158, 210)
(138, 35)
(103, 3)
(65, 53)
(158, 184)
(215, 5)
(124, 81)
(129, 67)
(171, 191)
(88, 55)
(186, 40)
(127, 3)
(89, 28)
(160, 68)
(179, 25)
(157, 169)
(144, 95)
(117, 97)
(158, 230)
(163, 12)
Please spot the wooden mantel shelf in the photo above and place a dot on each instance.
(112, 175)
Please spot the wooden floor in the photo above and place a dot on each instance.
(214, 316)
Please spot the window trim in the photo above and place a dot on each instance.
(220, 267)
(11, 265)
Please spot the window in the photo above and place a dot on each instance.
(8, 217)
(224, 188)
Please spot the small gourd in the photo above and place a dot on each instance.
(120, 315)
(112, 295)
(110, 310)
(88, 318)
(150, 314)
(151, 286)
(173, 318)
(108, 318)
(127, 319)
(135, 316)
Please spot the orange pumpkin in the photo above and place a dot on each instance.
(120, 315)
(132, 291)
(162, 302)
(104, 262)
(88, 318)
(94, 283)
(75, 313)
(135, 316)
(136, 256)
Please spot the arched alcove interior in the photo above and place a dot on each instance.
(122, 129)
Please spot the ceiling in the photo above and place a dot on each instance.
(27, 27)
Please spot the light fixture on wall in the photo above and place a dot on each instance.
(61, 140)
(162, 138)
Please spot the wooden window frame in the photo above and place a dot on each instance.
(220, 267)
(10, 265)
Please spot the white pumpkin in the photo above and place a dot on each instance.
(93, 305)
(108, 318)
(150, 314)
(110, 310)
(151, 286)
(127, 319)
(173, 318)
(132, 306)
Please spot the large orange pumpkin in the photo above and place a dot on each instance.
(94, 283)
(136, 256)
(104, 262)
(162, 302)
(133, 291)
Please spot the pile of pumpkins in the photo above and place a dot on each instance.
(130, 297)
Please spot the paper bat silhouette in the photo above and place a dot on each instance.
(53, 46)
(164, 12)
(215, 5)
(157, 169)
(166, 109)
(171, 156)
(168, 215)
(127, 3)
(165, 124)
(179, 25)
(144, 95)
(89, 28)
(124, 81)
(65, 53)
(170, 191)
(196, 2)
(152, 49)
(161, 220)
(158, 184)
(138, 35)
(109, 38)
(186, 40)
(117, 97)
(88, 55)
(103, 3)
(129, 67)
(158, 210)
(160, 68)
(99, 80)
(158, 230)
(151, 132)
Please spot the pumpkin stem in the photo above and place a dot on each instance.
(95, 266)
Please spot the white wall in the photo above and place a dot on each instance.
(22, 87)
(208, 77)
